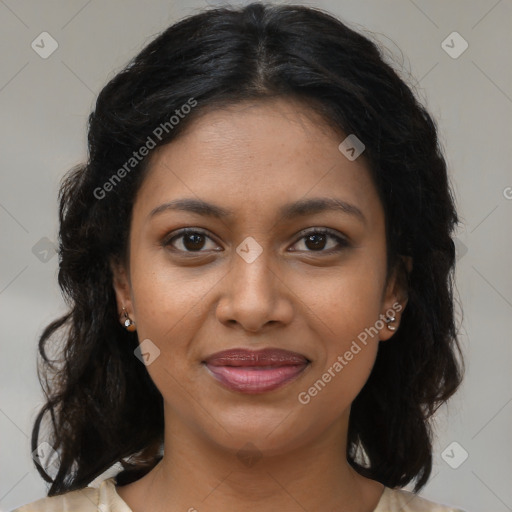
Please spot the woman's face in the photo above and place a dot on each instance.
(252, 278)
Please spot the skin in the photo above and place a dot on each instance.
(252, 158)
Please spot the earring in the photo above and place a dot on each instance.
(128, 322)
(390, 319)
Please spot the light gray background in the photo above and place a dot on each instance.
(45, 103)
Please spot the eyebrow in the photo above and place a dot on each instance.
(288, 211)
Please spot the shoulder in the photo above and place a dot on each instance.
(102, 498)
(400, 500)
(81, 500)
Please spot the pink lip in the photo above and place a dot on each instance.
(253, 372)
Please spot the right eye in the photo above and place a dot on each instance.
(191, 240)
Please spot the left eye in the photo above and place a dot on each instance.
(193, 240)
(316, 240)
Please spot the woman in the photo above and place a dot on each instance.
(258, 262)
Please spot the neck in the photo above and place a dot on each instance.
(195, 474)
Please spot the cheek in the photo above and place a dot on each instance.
(346, 313)
(345, 362)
(168, 300)
(344, 303)
(169, 305)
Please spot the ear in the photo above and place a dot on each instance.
(122, 287)
(395, 297)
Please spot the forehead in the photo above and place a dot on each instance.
(263, 154)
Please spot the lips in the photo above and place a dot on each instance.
(265, 357)
(249, 371)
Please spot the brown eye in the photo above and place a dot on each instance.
(189, 240)
(193, 241)
(317, 240)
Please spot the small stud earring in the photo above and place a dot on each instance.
(127, 321)
(390, 319)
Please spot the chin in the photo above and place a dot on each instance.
(269, 433)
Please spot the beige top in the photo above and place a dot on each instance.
(104, 498)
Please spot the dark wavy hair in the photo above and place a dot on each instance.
(104, 407)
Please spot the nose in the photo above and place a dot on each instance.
(254, 295)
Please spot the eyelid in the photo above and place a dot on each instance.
(341, 239)
(327, 231)
(184, 231)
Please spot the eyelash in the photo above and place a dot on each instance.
(342, 242)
